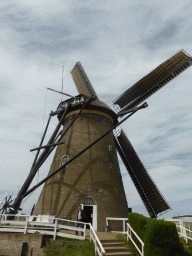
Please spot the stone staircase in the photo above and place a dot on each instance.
(187, 245)
(115, 248)
(112, 245)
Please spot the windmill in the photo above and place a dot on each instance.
(5, 203)
(85, 168)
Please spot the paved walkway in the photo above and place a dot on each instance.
(101, 235)
(106, 235)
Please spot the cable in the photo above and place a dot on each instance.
(62, 82)
(37, 176)
(44, 113)
(32, 151)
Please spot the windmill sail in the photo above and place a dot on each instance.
(85, 87)
(148, 191)
(82, 81)
(154, 81)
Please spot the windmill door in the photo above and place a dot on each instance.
(90, 211)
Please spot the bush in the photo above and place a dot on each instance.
(138, 223)
(160, 237)
(36, 232)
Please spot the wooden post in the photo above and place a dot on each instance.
(26, 223)
(95, 242)
(84, 231)
(123, 225)
(55, 231)
(90, 232)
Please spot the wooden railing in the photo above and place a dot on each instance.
(128, 233)
(99, 250)
(181, 228)
(114, 218)
(58, 227)
(49, 226)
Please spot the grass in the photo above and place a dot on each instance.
(66, 239)
(190, 228)
(71, 250)
(182, 240)
(37, 232)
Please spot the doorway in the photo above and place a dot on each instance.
(88, 210)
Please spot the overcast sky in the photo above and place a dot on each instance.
(118, 42)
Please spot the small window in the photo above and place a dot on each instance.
(110, 165)
(88, 201)
(64, 160)
(110, 148)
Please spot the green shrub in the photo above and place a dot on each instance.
(161, 239)
(36, 232)
(138, 223)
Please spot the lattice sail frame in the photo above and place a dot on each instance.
(82, 81)
(154, 81)
(152, 198)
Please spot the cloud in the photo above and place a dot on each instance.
(117, 42)
(30, 33)
(162, 36)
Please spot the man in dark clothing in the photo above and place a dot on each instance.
(80, 217)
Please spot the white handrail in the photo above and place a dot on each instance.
(98, 246)
(25, 226)
(182, 227)
(114, 218)
(129, 228)
(141, 252)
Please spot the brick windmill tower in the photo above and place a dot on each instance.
(94, 178)
(85, 168)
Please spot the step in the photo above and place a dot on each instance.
(109, 241)
(116, 249)
(187, 245)
(119, 254)
(115, 244)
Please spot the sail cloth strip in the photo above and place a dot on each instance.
(82, 81)
(154, 81)
(135, 181)
(148, 191)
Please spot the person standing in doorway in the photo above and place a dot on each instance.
(80, 217)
